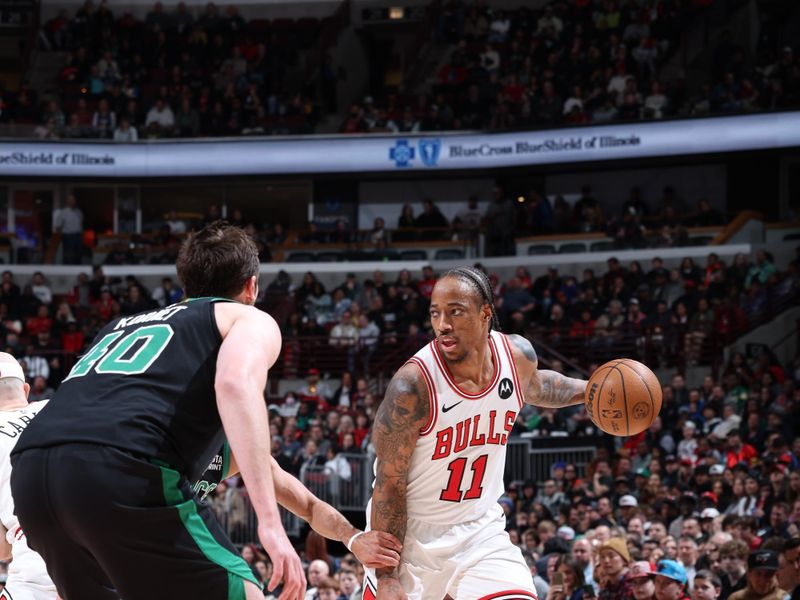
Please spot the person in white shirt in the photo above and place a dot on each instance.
(125, 132)
(176, 226)
(41, 291)
(69, 222)
(27, 573)
(160, 116)
(368, 337)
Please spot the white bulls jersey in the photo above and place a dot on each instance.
(456, 471)
(27, 566)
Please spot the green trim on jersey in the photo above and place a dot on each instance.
(237, 568)
(226, 461)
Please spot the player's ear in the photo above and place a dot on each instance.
(487, 312)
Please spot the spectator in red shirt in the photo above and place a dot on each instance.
(737, 451)
(41, 322)
(425, 285)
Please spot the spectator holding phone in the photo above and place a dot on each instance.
(567, 581)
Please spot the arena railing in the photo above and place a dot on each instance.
(531, 458)
(238, 519)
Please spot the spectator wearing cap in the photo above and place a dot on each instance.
(687, 447)
(716, 471)
(612, 569)
(707, 586)
(315, 391)
(733, 560)
(671, 470)
(627, 507)
(788, 573)
(641, 576)
(670, 581)
(762, 583)
(707, 517)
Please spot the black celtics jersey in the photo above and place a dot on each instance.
(146, 386)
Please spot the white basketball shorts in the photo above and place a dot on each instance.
(468, 561)
(23, 590)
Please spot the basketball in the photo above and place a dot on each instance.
(623, 397)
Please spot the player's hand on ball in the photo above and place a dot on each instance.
(286, 563)
(377, 549)
(389, 588)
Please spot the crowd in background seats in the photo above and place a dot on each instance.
(178, 73)
(718, 465)
(574, 63)
(212, 73)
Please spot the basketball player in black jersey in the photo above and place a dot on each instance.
(101, 477)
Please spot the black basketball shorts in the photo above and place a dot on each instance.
(110, 524)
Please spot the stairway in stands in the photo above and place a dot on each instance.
(19, 20)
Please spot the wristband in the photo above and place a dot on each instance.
(349, 544)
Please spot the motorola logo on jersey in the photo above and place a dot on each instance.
(506, 388)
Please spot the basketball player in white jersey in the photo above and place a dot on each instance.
(27, 573)
(440, 435)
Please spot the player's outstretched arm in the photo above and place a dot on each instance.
(251, 344)
(375, 549)
(398, 421)
(545, 388)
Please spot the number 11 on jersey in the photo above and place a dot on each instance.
(452, 493)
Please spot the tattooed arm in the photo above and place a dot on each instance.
(401, 415)
(545, 388)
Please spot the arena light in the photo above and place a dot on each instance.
(396, 13)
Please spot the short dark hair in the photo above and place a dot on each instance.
(480, 282)
(710, 577)
(216, 261)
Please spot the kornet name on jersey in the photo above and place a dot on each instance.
(27, 565)
(146, 386)
(456, 471)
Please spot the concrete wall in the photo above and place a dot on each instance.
(61, 278)
(775, 334)
(612, 188)
(386, 198)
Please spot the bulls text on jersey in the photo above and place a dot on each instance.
(470, 432)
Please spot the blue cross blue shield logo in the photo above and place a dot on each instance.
(402, 154)
(429, 150)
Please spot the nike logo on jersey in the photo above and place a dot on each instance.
(446, 408)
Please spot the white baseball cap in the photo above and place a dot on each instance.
(10, 367)
(709, 513)
(716, 469)
(566, 532)
(628, 500)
